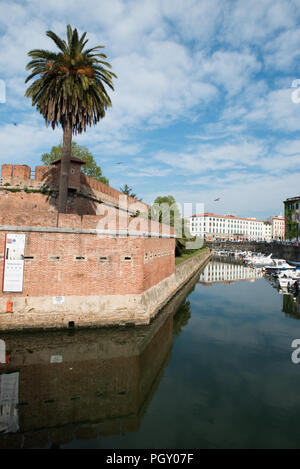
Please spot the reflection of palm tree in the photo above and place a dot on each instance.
(183, 313)
(181, 317)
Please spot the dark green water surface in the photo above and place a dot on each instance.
(214, 370)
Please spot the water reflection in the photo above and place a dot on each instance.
(228, 272)
(214, 370)
(64, 386)
(291, 305)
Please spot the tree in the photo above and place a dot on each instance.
(128, 191)
(69, 91)
(166, 210)
(90, 168)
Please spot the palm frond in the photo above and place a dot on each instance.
(59, 42)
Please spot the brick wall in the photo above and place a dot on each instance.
(81, 263)
(19, 176)
(85, 264)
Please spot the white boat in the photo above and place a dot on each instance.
(279, 265)
(259, 260)
(263, 261)
(288, 278)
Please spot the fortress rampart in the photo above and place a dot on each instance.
(101, 263)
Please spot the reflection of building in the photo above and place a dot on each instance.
(291, 306)
(88, 383)
(213, 227)
(292, 217)
(226, 272)
(9, 392)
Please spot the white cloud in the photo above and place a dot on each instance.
(255, 21)
(209, 157)
(277, 111)
(194, 19)
(233, 70)
(23, 143)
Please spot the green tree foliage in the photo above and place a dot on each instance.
(90, 168)
(166, 210)
(69, 91)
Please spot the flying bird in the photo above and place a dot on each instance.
(216, 200)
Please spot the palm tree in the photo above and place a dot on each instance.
(128, 191)
(69, 91)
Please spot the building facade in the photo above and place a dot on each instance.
(278, 227)
(228, 227)
(292, 218)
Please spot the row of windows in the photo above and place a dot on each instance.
(148, 256)
(230, 230)
(222, 220)
(79, 258)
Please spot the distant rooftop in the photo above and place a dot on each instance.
(208, 214)
(292, 199)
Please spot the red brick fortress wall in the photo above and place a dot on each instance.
(84, 198)
(97, 249)
(63, 264)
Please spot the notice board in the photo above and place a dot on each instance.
(14, 263)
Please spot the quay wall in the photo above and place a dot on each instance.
(279, 251)
(135, 307)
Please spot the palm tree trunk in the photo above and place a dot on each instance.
(64, 168)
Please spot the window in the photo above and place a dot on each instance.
(129, 258)
(104, 258)
(54, 258)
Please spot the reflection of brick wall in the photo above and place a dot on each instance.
(102, 387)
(60, 394)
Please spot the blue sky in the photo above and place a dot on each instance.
(202, 107)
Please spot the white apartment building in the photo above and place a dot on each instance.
(278, 227)
(211, 227)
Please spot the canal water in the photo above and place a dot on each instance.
(213, 370)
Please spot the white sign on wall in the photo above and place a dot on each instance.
(14, 263)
